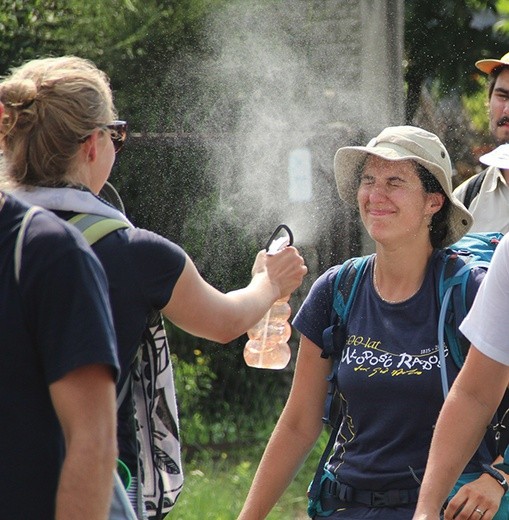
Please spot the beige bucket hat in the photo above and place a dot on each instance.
(402, 143)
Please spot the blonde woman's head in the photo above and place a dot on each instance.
(51, 106)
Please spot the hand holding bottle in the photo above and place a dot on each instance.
(267, 346)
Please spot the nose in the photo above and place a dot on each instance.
(505, 110)
(377, 192)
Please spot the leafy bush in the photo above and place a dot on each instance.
(216, 485)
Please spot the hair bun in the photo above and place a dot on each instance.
(18, 94)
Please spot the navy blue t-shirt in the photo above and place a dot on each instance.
(142, 269)
(55, 320)
(388, 378)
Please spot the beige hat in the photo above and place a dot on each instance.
(402, 143)
(489, 65)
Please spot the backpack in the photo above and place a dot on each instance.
(472, 250)
(160, 477)
(473, 188)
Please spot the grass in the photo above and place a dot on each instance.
(216, 485)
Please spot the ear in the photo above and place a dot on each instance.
(89, 147)
(1, 110)
(435, 202)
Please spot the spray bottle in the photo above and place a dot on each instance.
(267, 346)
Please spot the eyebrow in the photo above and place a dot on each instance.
(388, 179)
(500, 90)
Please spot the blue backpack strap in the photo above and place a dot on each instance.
(472, 251)
(447, 317)
(345, 285)
(334, 336)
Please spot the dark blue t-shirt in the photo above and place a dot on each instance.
(55, 320)
(388, 378)
(142, 269)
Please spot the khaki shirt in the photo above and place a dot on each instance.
(490, 207)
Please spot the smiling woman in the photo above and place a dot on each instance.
(401, 183)
(393, 192)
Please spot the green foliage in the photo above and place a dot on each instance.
(220, 406)
(193, 383)
(29, 28)
(214, 235)
(161, 183)
(476, 106)
(502, 25)
(443, 40)
(215, 487)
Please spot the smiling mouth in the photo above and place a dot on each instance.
(379, 212)
(503, 121)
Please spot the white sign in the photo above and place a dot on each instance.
(300, 175)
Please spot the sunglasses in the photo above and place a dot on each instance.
(118, 134)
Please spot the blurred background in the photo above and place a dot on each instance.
(235, 110)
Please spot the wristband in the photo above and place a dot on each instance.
(496, 475)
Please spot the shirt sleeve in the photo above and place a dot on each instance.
(315, 314)
(158, 263)
(486, 325)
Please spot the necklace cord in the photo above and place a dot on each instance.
(377, 290)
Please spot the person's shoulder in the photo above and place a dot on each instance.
(139, 239)
(348, 267)
(145, 251)
(327, 278)
(45, 241)
(45, 228)
(461, 189)
(38, 225)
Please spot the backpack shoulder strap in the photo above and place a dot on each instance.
(452, 299)
(94, 227)
(151, 380)
(18, 247)
(334, 337)
(345, 286)
(473, 188)
(447, 281)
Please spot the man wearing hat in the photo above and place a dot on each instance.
(486, 194)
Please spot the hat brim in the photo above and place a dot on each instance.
(488, 66)
(499, 157)
(349, 161)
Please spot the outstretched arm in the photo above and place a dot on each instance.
(468, 409)
(295, 433)
(84, 401)
(200, 309)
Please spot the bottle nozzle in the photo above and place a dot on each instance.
(277, 242)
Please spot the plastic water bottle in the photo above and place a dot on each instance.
(268, 339)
